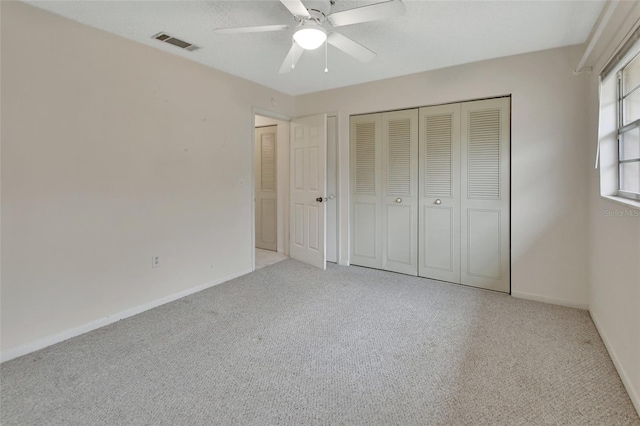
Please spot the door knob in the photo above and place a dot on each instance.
(331, 197)
(438, 201)
(398, 200)
(319, 199)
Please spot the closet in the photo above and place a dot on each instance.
(430, 192)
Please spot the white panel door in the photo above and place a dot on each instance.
(485, 172)
(265, 186)
(332, 190)
(400, 191)
(439, 187)
(308, 189)
(366, 190)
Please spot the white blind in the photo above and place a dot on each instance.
(615, 62)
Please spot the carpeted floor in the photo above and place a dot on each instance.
(293, 345)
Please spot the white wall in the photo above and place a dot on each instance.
(614, 229)
(549, 195)
(113, 152)
(614, 284)
(282, 165)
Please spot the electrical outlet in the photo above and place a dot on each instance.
(155, 261)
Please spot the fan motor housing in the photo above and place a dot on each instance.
(321, 7)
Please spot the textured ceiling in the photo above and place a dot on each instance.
(433, 34)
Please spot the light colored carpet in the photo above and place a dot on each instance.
(290, 344)
(268, 257)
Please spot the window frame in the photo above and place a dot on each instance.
(622, 129)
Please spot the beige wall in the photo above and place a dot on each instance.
(614, 230)
(113, 152)
(614, 269)
(549, 195)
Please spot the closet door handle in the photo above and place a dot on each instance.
(398, 200)
(438, 202)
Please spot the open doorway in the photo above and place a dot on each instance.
(271, 190)
(271, 193)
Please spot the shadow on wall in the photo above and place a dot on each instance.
(548, 215)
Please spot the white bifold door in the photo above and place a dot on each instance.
(266, 216)
(484, 194)
(308, 141)
(439, 201)
(430, 192)
(384, 191)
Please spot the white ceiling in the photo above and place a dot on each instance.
(433, 34)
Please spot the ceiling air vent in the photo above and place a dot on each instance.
(166, 38)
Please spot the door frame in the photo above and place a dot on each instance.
(338, 194)
(339, 201)
(509, 96)
(252, 185)
(257, 164)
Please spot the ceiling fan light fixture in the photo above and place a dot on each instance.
(310, 38)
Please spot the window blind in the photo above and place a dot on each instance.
(614, 62)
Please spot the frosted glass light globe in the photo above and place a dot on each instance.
(310, 38)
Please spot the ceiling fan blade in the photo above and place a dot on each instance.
(374, 12)
(292, 58)
(296, 8)
(350, 47)
(259, 29)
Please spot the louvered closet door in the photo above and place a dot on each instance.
(439, 187)
(265, 184)
(485, 143)
(400, 191)
(366, 190)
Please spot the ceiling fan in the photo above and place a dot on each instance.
(314, 16)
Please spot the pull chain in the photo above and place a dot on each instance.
(326, 49)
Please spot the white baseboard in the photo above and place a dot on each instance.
(109, 319)
(633, 394)
(551, 300)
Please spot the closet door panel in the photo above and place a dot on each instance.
(399, 235)
(400, 191)
(365, 226)
(439, 189)
(438, 245)
(266, 214)
(485, 251)
(483, 243)
(366, 190)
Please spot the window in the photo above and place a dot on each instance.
(629, 129)
(618, 153)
